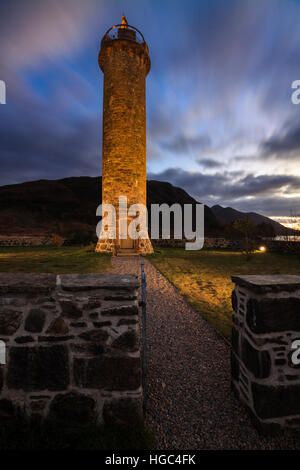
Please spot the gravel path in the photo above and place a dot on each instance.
(190, 403)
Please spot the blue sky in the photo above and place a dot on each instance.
(220, 121)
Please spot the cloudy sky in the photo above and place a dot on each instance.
(220, 120)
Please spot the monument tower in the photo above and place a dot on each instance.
(124, 60)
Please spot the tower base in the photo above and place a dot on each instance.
(142, 246)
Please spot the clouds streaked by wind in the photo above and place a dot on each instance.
(220, 120)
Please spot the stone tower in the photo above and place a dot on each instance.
(124, 60)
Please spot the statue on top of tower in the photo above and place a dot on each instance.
(124, 22)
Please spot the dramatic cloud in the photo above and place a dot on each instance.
(184, 144)
(239, 190)
(209, 163)
(287, 144)
(36, 30)
(218, 93)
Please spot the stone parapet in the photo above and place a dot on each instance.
(72, 348)
(266, 322)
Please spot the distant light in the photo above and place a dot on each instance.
(262, 249)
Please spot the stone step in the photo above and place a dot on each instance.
(127, 253)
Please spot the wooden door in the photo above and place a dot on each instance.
(127, 243)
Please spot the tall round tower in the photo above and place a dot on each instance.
(124, 60)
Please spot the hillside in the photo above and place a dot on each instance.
(68, 206)
(227, 215)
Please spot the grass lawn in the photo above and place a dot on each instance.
(48, 259)
(204, 277)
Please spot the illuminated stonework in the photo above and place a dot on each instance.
(125, 62)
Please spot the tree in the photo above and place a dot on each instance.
(247, 228)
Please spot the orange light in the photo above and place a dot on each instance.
(262, 249)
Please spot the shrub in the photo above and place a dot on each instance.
(91, 247)
(57, 240)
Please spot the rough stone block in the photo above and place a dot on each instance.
(276, 401)
(73, 409)
(94, 302)
(38, 368)
(15, 283)
(99, 336)
(121, 310)
(127, 341)
(127, 321)
(10, 321)
(79, 324)
(257, 362)
(92, 349)
(70, 309)
(24, 339)
(109, 373)
(58, 327)
(273, 315)
(35, 321)
(79, 282)
(123, 411)
(262, 284)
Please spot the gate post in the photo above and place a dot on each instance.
(264, 373)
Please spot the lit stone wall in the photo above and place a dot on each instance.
(266, 322)
(72, 348)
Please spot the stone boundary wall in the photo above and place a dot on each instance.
(72, 348)
(266, 321)
(17, 240)
(208, 243)
(282, 246)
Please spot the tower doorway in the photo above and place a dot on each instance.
(127, 243)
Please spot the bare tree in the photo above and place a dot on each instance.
(247, 228)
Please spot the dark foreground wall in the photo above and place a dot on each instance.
(72, 347)
(266, 324)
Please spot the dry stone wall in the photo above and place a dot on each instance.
(19, 240)
(266, 323)
(72, 348)
(208, 243)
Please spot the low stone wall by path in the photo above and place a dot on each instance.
(72, 348)
(266, 322)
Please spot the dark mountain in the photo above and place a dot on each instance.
(68, 206)
(227, 215)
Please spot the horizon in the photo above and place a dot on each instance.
(290, 221)
(220, 121)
